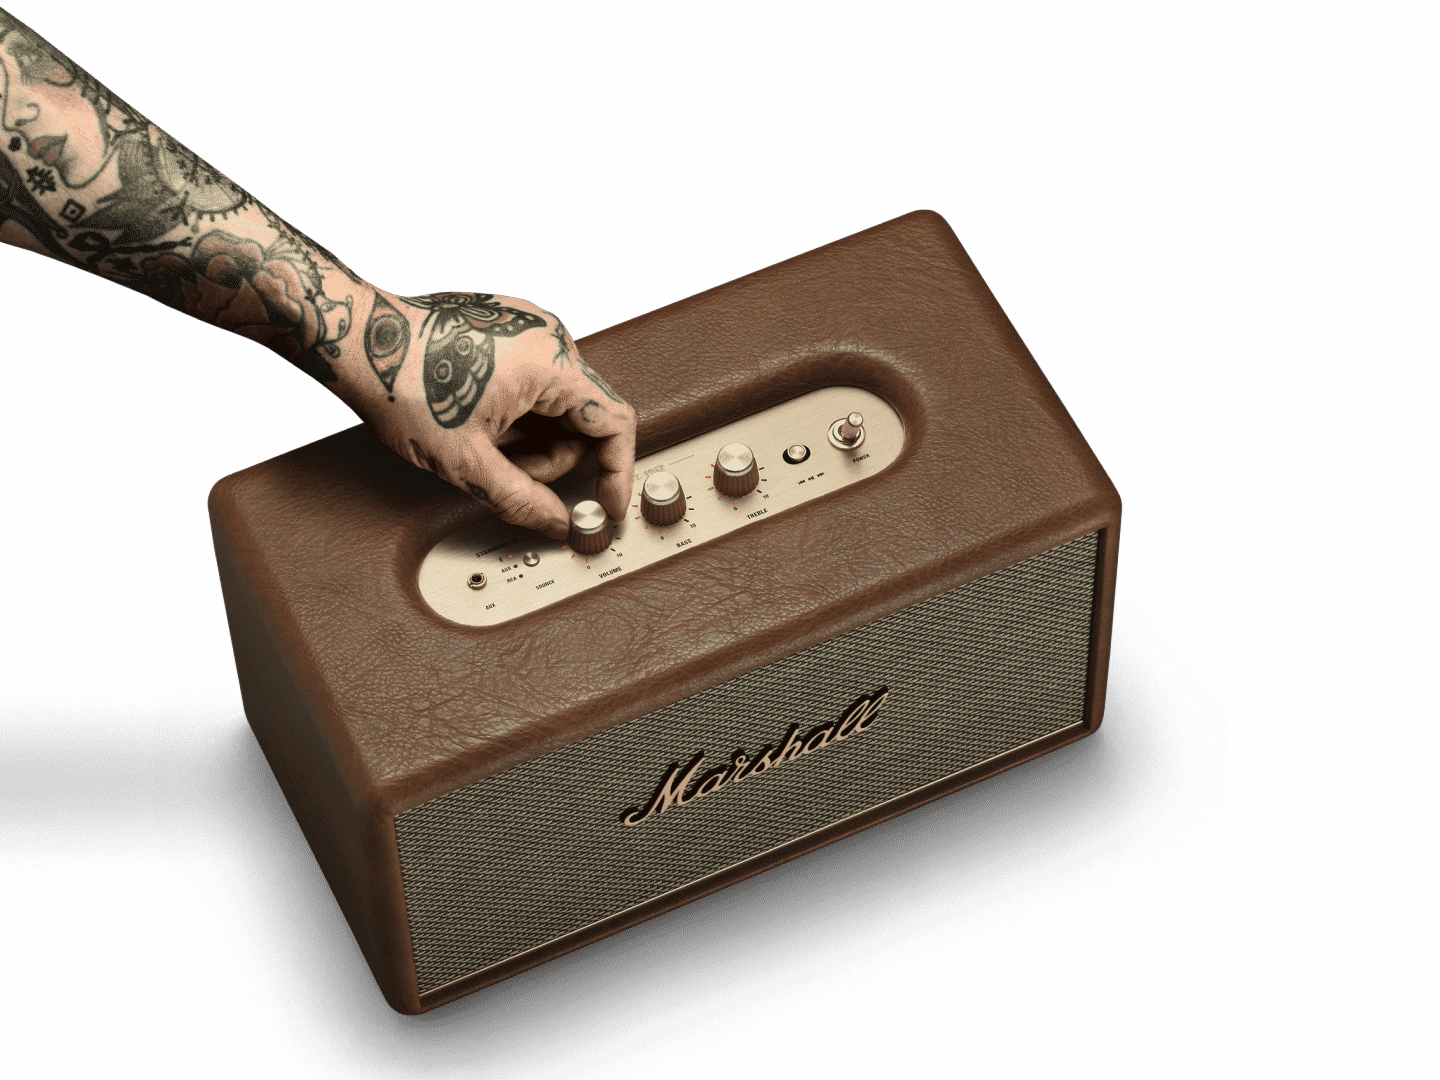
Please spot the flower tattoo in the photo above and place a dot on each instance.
(270, 295)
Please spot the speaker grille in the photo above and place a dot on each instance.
(522, 858)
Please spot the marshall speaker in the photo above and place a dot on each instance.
(870, 560)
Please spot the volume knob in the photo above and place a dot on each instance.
(590, 528)
(736, 472)
(662, 501)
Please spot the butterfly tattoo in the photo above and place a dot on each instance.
(460, 354)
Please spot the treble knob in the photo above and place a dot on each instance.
(590, 528)
(736, 472)
(662, 502)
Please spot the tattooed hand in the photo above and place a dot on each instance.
(462, 383)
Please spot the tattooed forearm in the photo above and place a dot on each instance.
(89, 180)
(271, 295)
(34, 70)
(334, 261)
(137, 182)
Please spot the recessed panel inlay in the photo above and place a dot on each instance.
(516, 585)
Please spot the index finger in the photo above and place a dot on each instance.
(598, 411)
(613, 423)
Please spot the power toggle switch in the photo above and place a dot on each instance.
(848, 432)
(590, 528)
(736, 472)
(662, 501)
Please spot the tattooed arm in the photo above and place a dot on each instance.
(444, 380)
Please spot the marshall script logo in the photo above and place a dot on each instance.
(680, 786)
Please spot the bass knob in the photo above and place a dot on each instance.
(662, 501)
(736, 472)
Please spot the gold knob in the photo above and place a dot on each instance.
(736, 472)
(590, 528)
(662, 501)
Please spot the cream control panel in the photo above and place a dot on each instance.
(731, 478)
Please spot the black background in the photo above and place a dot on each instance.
(156, 918)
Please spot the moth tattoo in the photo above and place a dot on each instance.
(460, 353)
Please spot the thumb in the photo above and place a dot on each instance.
(513, 495)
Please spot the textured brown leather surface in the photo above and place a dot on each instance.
(367, 704)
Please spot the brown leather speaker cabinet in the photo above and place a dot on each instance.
(871, 560)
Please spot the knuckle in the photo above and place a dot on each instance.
(516, 505)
